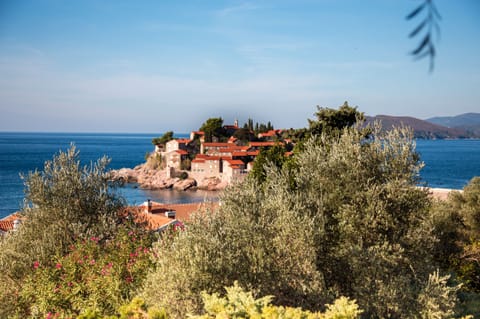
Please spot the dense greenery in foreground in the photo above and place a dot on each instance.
(338, 231)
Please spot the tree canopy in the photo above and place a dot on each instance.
(213, 127)
(168, 136)
(331, 120)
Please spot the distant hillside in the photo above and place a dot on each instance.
(469, 122)
(421, 129)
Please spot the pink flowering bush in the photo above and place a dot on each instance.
(95, 274)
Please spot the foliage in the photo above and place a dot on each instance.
(244, 135)
(257, 127)
(99, 275)
(155, 161)
(274, 155)
(331, 121)
(430, 27)
(63, 202)
(213, 127)
(168, 136)
(186, 164)
(137, 309)
(461, 240)
(241, 304)
(437, 300)
(457, 223)
(352, 223)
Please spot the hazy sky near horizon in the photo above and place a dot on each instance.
(153, 66)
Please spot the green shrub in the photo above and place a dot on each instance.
(186, 164)
(95, 275)
(346, 220)
(63, 202)
(154, 161)
(137, 309)
(168, 136)
(241, 304)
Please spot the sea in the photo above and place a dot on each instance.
(448, 163)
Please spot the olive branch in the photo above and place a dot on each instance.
(428, 28)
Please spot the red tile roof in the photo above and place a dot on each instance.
(268, 134)
(183, 140)
(157, 219)
(262, 144)
(198, 132)
(7, 222)
(214, 144)
(6, 225)
(13, 217)
(201, 158)
(239, 154)
(182, 152)
(235, 162)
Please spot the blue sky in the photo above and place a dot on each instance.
(153, 66)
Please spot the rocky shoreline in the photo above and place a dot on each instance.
(156, 179)
(153, 179)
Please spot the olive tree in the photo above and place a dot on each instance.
(63, 203)
(346, 220)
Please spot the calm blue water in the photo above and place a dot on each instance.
(24, 152)
(449, 163)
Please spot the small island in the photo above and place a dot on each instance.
(211, 158)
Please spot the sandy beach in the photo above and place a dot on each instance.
(442, 193)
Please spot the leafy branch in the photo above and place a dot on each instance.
(428, 30)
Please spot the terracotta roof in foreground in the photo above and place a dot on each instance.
(157, 219)
(6, 225)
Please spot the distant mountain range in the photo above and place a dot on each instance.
(469, 122)
(460, 126)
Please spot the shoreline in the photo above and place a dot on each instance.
(155, 179)
(440, 193)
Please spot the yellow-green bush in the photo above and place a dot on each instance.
(239, 303)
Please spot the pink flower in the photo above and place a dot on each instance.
(58, 265)
(36, 264)
(70, 284)
(129, 279)
(110, 265)
(92, 262)
(49, 315)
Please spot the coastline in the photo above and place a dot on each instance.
(155, 179)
